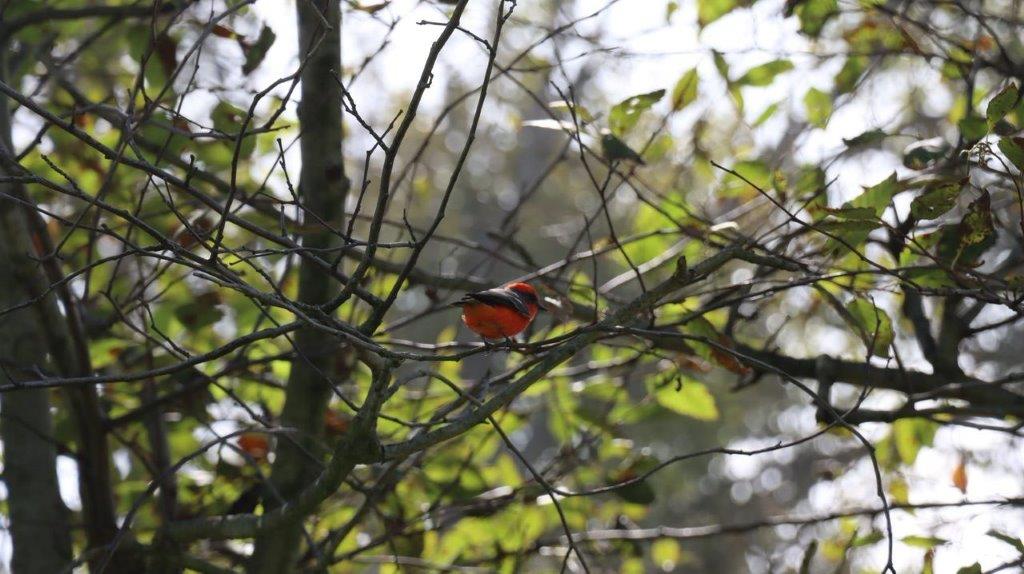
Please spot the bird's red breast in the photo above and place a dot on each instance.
(501, 312)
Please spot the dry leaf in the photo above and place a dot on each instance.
(223, 31)
(255, 445)
(960, 476)
(728, 360)
(692, 364)
(335, 423)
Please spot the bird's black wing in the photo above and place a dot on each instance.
(499, 298)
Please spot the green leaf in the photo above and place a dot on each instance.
(1005, 128)
(1002, 103)
(766, 115)
(710, 10)
(256, 52)
(1013, 149)
(1015, 542)
(615, 149)
(976, 226)
(737, 96)
(909, 435)
(625, 114)
(701, 327)
(951, 70)
(819, 107)
(925, 542)
(756, 172)
(972, 569)
(805, 564)
(635, 466)
(848, 76)
(877, 196)
(670, 9)
(813, 15)
(638, 493)
(155, 134)
(809, 179)
(973, 128)
(163, 46)
(852, 232)
(866, 138)
(721, 65)
(665, 553)
(866, 540)
(899, 490)
(200, 313)
(685, 91)
(562, 106)
(853, 213)
(929, 277)
(660, 147)
(935, 201)
(872, 324)
(692, 399)
(925, 153)
(765, 74)
(228, 119)
(951, 249)
(719, 352)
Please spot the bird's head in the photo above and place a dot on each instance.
(525, 291)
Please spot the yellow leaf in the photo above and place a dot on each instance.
(691, 398)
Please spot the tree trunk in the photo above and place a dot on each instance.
(38, 519)
(57, 346)
(322, 188)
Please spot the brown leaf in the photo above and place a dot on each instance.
(960, 476)
(167, 51)
(432, 294)
(38, 246)
(223, 31)
(726, 360)
(200, 230)
(83, 121)
(371, 8)
(692, 364)
(336, 423)
(182, 124)
(255, 445)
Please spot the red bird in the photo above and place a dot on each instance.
(501, 312)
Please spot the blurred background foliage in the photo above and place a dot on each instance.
(889, 126)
